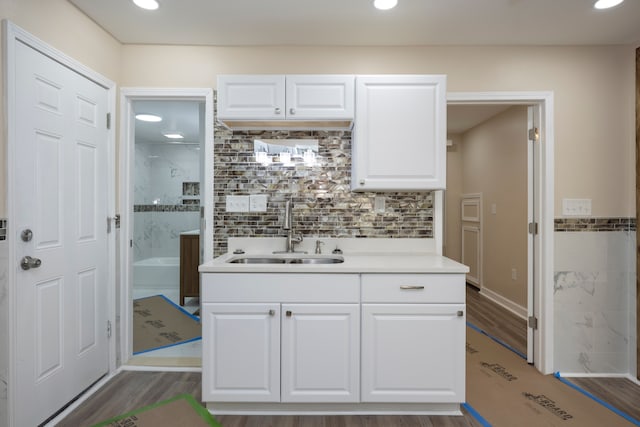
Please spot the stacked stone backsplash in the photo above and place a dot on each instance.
(324, 205)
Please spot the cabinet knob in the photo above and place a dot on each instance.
(289, 313)
(277, 110)
(292, 111)
(362, 182)
(460, 313)
(272, 312)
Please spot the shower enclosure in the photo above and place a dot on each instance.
(166, 193)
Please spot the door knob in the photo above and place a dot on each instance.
(28, 263)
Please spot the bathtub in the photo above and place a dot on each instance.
(158, 272)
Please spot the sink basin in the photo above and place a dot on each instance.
(303, 259)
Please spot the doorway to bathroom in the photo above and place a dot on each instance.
(166, 138)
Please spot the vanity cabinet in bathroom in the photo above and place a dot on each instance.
(246, 100)
(189, 261)
(399, 133)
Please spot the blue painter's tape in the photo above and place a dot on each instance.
(499, 341)
(597, 399)
(196, 318)
(475, 414)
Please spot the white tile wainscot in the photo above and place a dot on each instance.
(594, 300)
(267, 331)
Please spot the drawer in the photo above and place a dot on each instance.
(281, 288)
(413, 288)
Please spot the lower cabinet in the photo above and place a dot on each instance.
(241, 352)
(281, 353)
(274, 341)
(320, 353)
(413, 353)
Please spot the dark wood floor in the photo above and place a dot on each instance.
(132, 390)
(495, 320)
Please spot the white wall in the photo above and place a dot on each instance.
(593, 88)
(494, 163)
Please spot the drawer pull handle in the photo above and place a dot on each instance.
(272, 312)
(414, 287)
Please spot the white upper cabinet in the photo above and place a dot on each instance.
(251, 97)
(328, 97)
(255, 101)
(399, 135)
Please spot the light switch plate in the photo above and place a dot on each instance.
(237, 203)
(576, 207)
(258, 203)
(379, 204)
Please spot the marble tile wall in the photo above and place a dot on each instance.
(157, 234)
(324, 205)
(165, 199)
(594, 295)
(4, 327)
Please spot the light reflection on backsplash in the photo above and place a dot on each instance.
(324, 205)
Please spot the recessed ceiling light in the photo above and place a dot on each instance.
(385, 4)
(145, 117)
(606, 4)
(173, 135)
(147, 4)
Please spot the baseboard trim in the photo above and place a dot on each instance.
(161, 368)
(599, 375)
(505, 303)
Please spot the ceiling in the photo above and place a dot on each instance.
(356, 22)
(177, 116)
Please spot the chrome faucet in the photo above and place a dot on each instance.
(287, 225)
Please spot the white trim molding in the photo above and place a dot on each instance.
(127, 96)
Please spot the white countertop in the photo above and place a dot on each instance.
(365, 256)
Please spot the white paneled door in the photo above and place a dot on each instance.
(60, 211)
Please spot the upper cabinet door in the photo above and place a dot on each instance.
(251, 97)
(399, 137)
(327, 97)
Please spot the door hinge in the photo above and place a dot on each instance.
(108, 328)
(108, 120)
(533, 228)
(534, 134)
(533, 322)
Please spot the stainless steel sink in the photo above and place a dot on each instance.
(304, 259)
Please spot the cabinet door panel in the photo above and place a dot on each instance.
(251, 97)
(413, 353)
(399, 139)
(241, 354)
(320, 353)
(325, 97)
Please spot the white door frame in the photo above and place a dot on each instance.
(13, 34)
(127, 132)
(544, 211)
